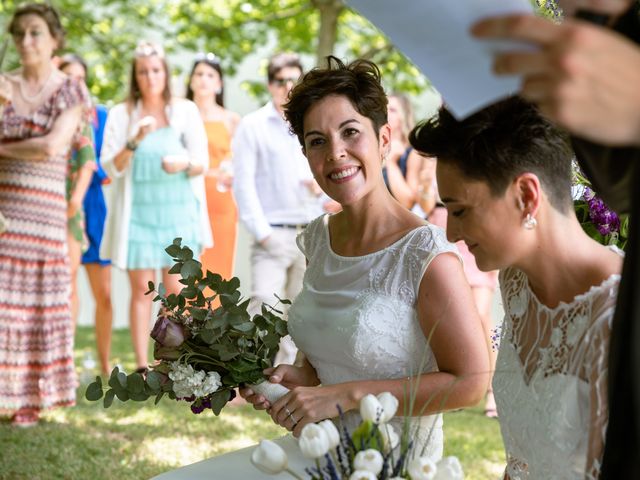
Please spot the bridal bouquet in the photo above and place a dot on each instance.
(374, 451)
(205, 343)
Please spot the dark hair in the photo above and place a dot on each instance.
(44, 11)
(71, 58)
(359, 81)
(143, 50)
(282, 60)
(211, 60)
(500, 142)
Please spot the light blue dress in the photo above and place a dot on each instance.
(164, 205)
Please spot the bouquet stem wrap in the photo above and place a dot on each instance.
(271, 391)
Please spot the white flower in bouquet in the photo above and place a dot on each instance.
(371, 408)
(449, 468)
(378, 409)
(269, 458)
(332, 433)
(389, 405)
(390, 438)
(314, 441)
(370, 460)
(189, 382)
(422, 468)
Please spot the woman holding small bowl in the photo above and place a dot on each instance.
(155, 151)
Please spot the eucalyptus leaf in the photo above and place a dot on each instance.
(94, 392)
(135, 383)
(219, 400)
(108, 398)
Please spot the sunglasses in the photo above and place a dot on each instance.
(281, 82)
(206, 56)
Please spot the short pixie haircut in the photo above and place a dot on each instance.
(359, 81)
(44, 11)
(500, 142)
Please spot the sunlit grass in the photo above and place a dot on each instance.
(139, 440)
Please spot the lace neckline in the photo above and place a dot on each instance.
(327, 236)
(580, 297)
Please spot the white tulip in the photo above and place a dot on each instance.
(422, 468)
(389, 406)
(371, 408)
(332, 432)
(370, 460)
(449, 468)
(269, 457)
(313, 441)
(390, 439)
(362, 475)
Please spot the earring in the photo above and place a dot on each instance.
(529, 222)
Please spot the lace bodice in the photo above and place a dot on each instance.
(550, 380)
(356, 318)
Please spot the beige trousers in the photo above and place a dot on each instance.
(277, 267)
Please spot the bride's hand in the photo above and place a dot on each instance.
(305, 405)
(289, 376)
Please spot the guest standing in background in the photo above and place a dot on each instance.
(275, 192)
(403, 164)
(206, 88)
(155, 152)
(95, 212)
(81, 165)
(42, 109)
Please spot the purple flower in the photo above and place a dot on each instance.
(605, 220)
(168, 333)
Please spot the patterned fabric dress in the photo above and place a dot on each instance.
(36, 330)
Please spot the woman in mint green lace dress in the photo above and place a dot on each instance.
(155, 151)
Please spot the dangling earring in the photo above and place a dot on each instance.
(529, 222)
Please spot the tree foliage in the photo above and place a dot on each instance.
(105, 33)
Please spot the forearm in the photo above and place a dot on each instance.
(424, 394)
(399, 188)
(33, 149)
(82, 183)
(123, 159)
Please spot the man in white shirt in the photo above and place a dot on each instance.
(273, 187)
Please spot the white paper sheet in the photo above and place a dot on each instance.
(434, 35)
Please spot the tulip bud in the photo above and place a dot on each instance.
(332, 433)
(362, 475)
(269, 457)
(422, 468)
(370, 460)
(313, 441)
(370, 408)
(389, 406)
(167, 333)
(449, 468)
(390, 439)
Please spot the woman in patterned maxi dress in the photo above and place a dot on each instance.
(41, 112)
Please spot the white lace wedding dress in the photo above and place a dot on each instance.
(550, 380)
(355, 319)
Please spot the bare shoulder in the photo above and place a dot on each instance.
(233, 119)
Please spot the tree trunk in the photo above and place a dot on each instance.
(329, 12)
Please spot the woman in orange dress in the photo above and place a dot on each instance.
(205, 88)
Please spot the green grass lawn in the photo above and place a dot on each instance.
(137, 441)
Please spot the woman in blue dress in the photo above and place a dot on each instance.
(155, 152)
